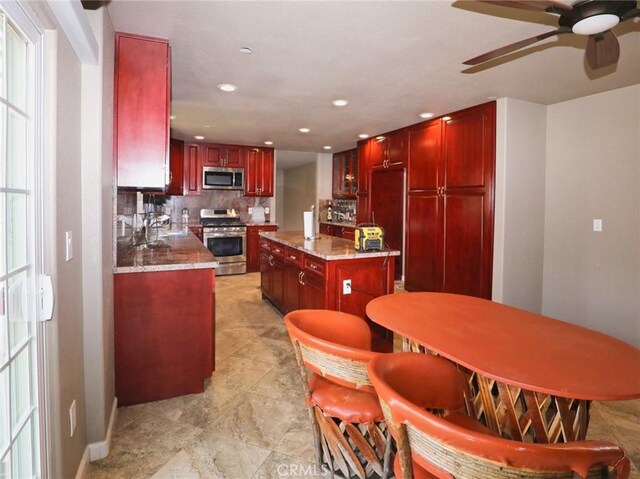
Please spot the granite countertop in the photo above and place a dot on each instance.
(263, 223)
(184, 252)
(324, 246)
(339, 223)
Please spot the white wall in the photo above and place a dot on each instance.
(299, 195)
(324, 172)
(68, 319)
(97, 194)
(519, 204)
(593, 171)
(279, 197)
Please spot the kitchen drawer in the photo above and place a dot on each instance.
(314, 265)
(265, 245)
(294, 256)
(277, 250)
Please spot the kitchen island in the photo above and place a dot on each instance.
(326, 273)
(164, 316)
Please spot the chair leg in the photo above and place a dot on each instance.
(387, 454)
(317, 445)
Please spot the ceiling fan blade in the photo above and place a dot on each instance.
(603, 50)
(537, 5)
(634, 12)
(515, 46)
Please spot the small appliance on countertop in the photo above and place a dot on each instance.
(369, 237)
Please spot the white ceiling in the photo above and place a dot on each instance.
(391, 59)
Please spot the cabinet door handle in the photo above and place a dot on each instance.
(271, 263)
(301, 278)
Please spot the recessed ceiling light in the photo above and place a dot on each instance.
(340, 102)
(426, 114)
(172, 117)
(246, 50)
(268, 142)
(207, 126)
(326, 147)
(363, 135)
(199, 137)
(227, 87)
(446, 118)
(304, 130)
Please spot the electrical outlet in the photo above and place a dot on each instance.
(68, 243)
(72, 418)
(597, 225)
(346, 286)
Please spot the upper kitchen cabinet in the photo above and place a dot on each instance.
(364, 172)
(259, 171)
(222, 155)
(389, 150)
(345, 174)
(141, 116)
(176, 162)
(192, 169)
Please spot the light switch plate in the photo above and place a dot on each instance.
(346, 286)
(68, 243)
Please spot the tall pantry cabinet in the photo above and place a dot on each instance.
(449, 237)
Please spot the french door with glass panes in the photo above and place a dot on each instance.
(20, 426)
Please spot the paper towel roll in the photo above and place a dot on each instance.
(308, 224)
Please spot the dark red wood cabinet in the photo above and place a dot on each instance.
(141, 111)
(389, 150)
(364, 172)
(192, 169)
(258, 171)
(272, 272)
(253, 245)
(222, 155)
(176, 162)
(339, 231)
(292, 279)
(198, 231)
(258, 165)
(449, 237)
(164, 334)
(345, 174)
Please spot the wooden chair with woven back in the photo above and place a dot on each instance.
(420, 397)
(332, 349)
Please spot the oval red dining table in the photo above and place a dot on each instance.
(531, 377)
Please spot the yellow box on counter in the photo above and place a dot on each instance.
(369, 237)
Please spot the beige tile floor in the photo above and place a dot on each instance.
(251, 422)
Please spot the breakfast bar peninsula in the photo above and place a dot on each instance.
(324, 273)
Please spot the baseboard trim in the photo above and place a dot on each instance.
(84, 463)
(100, 450)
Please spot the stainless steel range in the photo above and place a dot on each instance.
(225, 235)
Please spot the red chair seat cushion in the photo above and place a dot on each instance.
(344, 403)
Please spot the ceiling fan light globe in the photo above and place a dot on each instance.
(595, 24)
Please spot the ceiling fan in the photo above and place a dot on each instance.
(595, 18)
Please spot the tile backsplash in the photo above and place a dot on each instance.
(221, 199)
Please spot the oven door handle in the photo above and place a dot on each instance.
(224, 235)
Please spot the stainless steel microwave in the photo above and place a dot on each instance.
(216, 178)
